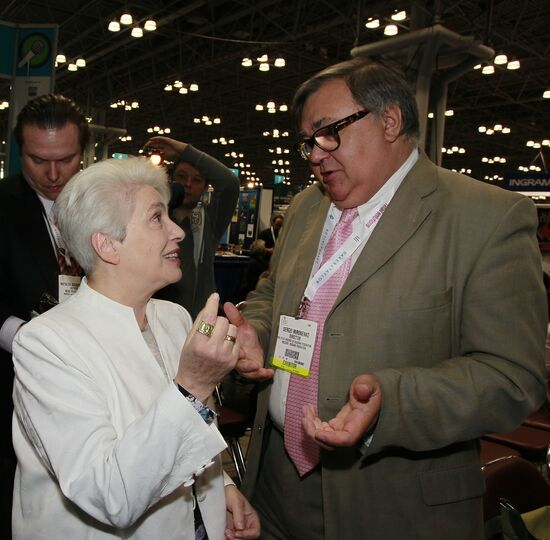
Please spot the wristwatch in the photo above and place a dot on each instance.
(206, 413)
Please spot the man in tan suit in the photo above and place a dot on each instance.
(435, 338)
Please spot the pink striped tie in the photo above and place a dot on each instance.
(303, 451)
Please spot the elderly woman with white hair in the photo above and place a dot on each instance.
(114, 432)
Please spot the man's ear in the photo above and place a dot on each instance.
(106, 247)
(393, 123)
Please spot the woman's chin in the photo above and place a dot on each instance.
(177, 275)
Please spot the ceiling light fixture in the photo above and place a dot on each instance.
(126, 19)
(497, 128)
(372, 23)
(500, 59)
(399, 15)
(513, 65)
(271, 107)
(263, 62)
(180, 87)
(206, 120)
(149, 25)
(126, 105)
(391, 30)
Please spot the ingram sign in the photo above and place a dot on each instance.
(527, 182)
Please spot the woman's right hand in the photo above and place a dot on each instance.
(205, 360)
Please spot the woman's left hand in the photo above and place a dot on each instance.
(242, 519)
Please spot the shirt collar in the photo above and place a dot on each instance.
(46, 203)
(387, 191)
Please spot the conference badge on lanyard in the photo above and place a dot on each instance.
(294, 346)
(68, 285)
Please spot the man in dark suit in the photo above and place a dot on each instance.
(269, 236)
(434, 334)
(51, 133)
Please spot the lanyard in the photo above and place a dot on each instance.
(361, 231)
(55, 236)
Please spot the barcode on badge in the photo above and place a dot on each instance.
(289, 353)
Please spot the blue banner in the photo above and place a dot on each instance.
(527, 182)
(7, 42)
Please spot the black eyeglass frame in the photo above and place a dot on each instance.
(331, 129)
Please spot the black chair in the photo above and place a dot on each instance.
(232, 425)
(517, 481)
(513, 526)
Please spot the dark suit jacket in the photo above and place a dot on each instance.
(445, 306)
(28, 267)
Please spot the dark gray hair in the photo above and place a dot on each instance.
(374, 87)
(52, 111)
(101, 198)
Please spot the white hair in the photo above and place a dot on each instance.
(101, 198)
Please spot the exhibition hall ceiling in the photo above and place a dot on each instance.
(203, 42)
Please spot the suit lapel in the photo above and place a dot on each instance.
(406, 212)
(34, 234)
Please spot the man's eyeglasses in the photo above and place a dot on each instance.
(327, 138)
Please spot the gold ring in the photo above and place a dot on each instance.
(206, 329)
(230, 338)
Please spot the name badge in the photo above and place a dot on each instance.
(68, 285)
(294, 346)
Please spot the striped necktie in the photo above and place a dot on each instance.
(304, 452)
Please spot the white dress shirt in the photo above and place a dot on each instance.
(279, 390)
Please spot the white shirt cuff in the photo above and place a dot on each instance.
(7, 332)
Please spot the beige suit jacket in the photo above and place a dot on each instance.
(445, 305)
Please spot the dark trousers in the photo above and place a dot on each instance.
(290, 507)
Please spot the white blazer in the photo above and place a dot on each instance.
(107, 447)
